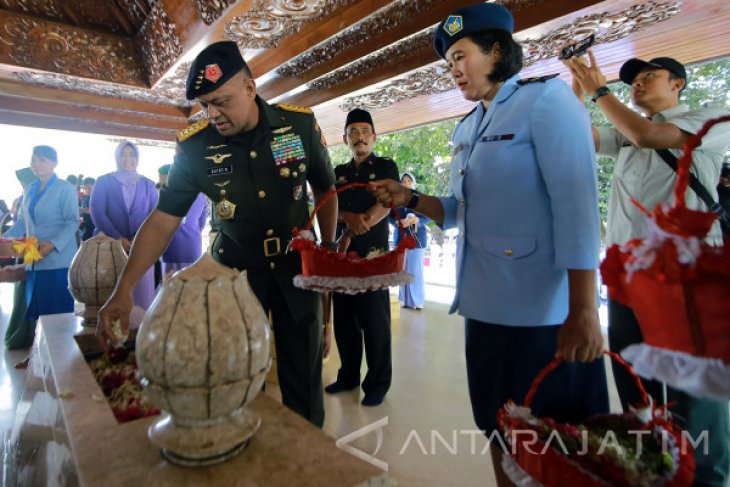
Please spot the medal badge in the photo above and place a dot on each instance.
(298, 191)
(287, 148)
(225, 209)
(218, 158)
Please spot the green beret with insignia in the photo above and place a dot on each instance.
(215, 65)
(470, 20)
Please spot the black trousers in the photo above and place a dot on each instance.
(699, 415)
(502, 361)
(296, 316)
(358, 318)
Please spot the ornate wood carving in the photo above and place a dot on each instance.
(391, 54)
(608, 27)
(36, 43)
(210, 10)
(167, 94)
(135, 10)
(384, 19)
(428, 81)
(270, 21)
(159, 42)
(48, 9)
(81, 13)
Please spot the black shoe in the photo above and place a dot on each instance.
(372, 399)
(338, 386)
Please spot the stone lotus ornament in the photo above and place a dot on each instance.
(203, 350)
(94, 272)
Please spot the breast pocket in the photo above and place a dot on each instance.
(509, 248)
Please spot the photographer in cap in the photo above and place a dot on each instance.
(641, 146)
(253, 160)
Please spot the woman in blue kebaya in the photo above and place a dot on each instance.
(523, 196)
(50, 213)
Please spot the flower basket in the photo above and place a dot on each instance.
(327, 270)
(642, 448)
(678, 288)
(11, 252)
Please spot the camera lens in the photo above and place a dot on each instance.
(566, 52)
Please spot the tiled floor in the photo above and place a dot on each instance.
(423, 432)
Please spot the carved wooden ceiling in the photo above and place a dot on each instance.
(118, 67)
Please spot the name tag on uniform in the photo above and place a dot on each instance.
(492, 138)
(219, 171)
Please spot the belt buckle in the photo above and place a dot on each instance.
(267, 244)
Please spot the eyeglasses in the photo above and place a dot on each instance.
(354, 131)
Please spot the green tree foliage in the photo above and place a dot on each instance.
(426, 151)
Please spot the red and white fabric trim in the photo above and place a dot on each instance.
(352, 285)
(699, 376)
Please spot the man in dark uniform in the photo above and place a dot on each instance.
(361, 220)
(253, 160)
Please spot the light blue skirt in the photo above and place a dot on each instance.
(413, 295)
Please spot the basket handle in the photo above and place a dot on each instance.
(330, 194)
(557, 360)
(685, 162)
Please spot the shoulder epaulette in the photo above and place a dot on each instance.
(538, 79)
(294, 108)
(191, 130)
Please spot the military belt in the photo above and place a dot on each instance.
(272, 246)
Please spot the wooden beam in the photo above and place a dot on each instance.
(88, 126)
(43, 94)
(290, 91)
(86, 53)
(88, 113)
(311, 34)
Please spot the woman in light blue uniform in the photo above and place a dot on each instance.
(413, 294)
(523, 196)
(50, 212)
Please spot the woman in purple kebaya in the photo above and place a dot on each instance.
(120, 203)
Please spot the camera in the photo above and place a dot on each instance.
(577, 49)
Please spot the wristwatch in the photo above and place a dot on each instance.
(413, 202)
(601, 91)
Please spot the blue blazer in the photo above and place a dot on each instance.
(523, 196)
(56, 221)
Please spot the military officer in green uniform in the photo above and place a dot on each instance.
(253, 160)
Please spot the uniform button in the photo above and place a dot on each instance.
(508, 252)
(294, 174)
(252, 154)
(220, 250)
(461, 235)
(272, 265)
(462, 202)
(461, 172)
(262, 194)
(269, 233)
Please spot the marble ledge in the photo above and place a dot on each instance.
(286, 451)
